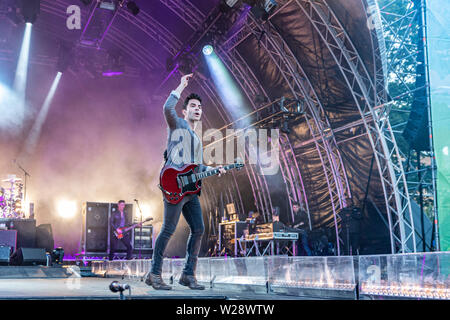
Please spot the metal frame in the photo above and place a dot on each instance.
(399, 31)
(381, 136)
(362, 86)
(300, 87)
(186, 11)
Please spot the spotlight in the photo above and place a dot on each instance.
(30, 10)
(133, 8)
(207, 50)
(66, 209)
(107, 5)
(231, 3)
(147, 211)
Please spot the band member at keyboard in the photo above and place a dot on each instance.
(118, 220)
(183, 146)
(296, 227)
(301, 224)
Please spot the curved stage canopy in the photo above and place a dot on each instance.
(322, 55)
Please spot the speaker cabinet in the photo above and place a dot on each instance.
(97, 230)
(8, 238)
(29, 257)
(95, 227)
(5, 252)
(44, 237)
(26, 231)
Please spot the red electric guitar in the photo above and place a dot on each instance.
(175, 183)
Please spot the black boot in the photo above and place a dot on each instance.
(156, 282)
(190, 281)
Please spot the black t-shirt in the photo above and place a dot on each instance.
(301, 220)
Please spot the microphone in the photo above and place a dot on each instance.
(115, 286)
(136, 200)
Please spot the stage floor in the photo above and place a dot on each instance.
(98, 288)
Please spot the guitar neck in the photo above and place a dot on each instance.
(213, 172)
(134, 225)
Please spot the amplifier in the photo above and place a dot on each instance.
(5, 253)
(26, 231)
(8, 238)
(143, 241)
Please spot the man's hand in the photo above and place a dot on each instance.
(183, 84)
(221, 170)
(119, 231)
(185, 80)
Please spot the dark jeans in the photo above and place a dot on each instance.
(304, 242)
(126, 240)
(192, 212)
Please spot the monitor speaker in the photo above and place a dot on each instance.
(5, 252)
(29, 257)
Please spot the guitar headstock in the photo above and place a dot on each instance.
(238, 163)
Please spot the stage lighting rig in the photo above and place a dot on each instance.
(64, 57)
(114, 65)
(30, 10)
(10, 10)
(86, 2)
(261, 8)
(208, 49)
(108, 5)
(133, 8)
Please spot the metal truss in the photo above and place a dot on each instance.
(380, 133)
(94, 36)
(316, 120)
(134, 49)
(400, 22)
(153, 29)
(292, 177)
(186, 11)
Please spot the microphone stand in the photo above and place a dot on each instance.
(24, 181)
(140, 236)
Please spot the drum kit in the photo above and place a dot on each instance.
(11, 198)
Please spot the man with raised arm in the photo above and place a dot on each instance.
(183, 146)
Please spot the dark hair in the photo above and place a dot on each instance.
(295, 203)
(190, 97)
(276, 211)
(120, 201)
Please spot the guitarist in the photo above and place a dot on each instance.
(181, 139)
(118, 220)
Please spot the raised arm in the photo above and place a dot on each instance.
(169, 107)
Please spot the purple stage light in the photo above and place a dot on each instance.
(112, 73)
